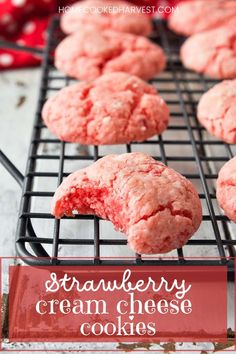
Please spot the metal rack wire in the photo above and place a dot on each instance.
(190, 152)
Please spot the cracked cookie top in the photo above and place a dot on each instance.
(105, 14)
(212, 53)
(86, 55)
(156, 207)
(226, 189)
(192, 17)
(116, 108)
(217, 111)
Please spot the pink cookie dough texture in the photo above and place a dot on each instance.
(212, 53)
(88, 54)
(101, 15)
(156, 207)
(116, 108)
(196, 16)
(217, 111)
(226, 189)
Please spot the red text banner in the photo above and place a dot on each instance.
(139, 303)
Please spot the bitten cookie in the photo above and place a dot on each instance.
(116, 108)
(101, 15)
(212, 53)
(89, 54)
(226, 189)
(217, 111)
(156, 207)
(194, 16)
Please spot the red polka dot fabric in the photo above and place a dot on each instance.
(25, 22)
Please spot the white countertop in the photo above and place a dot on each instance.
(16, 120)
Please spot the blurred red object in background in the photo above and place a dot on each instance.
(25, 22)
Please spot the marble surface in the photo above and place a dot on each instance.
(18, 91)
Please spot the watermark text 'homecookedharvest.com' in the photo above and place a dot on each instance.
(118, 9)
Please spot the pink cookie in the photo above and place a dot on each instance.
(156, 207)
(217, 111)
(116, 108)
(101, 15)
(194, 16)
(89, 54)
(226, 189)
(212, 53)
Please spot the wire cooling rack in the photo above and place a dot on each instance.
(185, 146)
